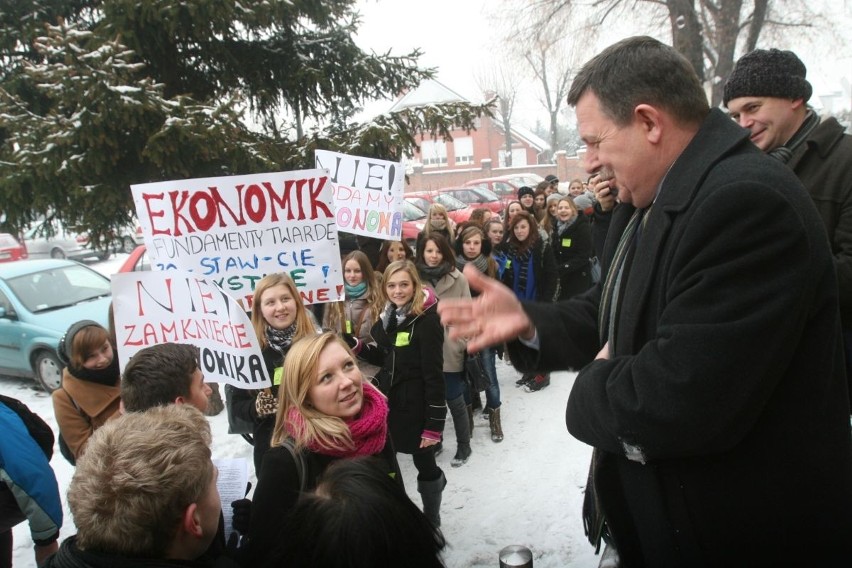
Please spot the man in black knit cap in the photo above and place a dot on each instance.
(767, 93)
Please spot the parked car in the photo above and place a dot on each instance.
(476, 197)
(457, 210)
(39, 300)
(10, 249)
(413, 221)
(507, 186)
(51, 239)
(137, 261)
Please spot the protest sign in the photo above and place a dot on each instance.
(181, 307)
(367, 193)
(235, 230)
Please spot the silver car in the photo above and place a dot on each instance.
(50, 239)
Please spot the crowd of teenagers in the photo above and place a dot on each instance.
(709, 449)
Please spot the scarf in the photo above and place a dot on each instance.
(368, 430)
(480, 262)
(355, 292)
(785, 153)
(438, 225)
(108, 376)
(562, 226)
(523, 283)
(392, 316)
(280, 339)
(433, 273)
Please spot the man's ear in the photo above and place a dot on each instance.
(180, 400)
(191, 521)
(649, 118)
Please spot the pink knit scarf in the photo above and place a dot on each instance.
(368, 429)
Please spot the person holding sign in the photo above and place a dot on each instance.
(326, 412)
(279, 318)
(90, 390)
(409, 347)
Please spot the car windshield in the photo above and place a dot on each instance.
(411, 212)
(487, 194)
(530, 180)
(450, 202)
(59, 287)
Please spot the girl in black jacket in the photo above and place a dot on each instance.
(409, 343)
(572, 246)
(326, 412)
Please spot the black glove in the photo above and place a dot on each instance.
(241, 520)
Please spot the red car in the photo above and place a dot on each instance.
(137, 261)
(10, 249)
(457, 210)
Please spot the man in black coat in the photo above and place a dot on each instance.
(712, 382)
(768, 93)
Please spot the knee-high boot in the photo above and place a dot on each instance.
(458, 410)
(430, 493)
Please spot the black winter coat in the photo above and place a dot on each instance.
(412, 376)
(721, 417)
(69, 556)
(572, 250)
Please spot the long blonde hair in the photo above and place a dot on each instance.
(336, 316)
(304, 325)
(407, 266)
(298, 376)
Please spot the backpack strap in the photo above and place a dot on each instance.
(301, 463)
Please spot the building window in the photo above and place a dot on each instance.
(433, 152)
(464, 150)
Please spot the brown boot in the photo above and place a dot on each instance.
(496, 426)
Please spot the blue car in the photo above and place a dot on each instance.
(39, 300)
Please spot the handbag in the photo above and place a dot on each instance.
(475, 370)
(236, 424)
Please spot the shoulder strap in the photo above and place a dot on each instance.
(301, 463)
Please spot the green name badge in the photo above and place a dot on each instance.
(566, 243)
(508, 263)
(403, 338)
(348, 326)
(276, 377)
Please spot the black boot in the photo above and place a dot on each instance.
(461, 423)
(430, 493)
(496, 427)
(470, 418)
(538, 383)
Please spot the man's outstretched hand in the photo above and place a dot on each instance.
(489, 319)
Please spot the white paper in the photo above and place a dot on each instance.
(233, 477)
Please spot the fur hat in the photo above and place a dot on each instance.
(768, 73)
(525, 190)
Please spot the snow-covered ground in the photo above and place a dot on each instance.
(526, 490)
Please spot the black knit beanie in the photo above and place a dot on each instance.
(525, 190)
(768, 73)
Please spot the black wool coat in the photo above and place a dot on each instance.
(721, 417)
(412, 376)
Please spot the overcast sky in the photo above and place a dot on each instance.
(457, 36)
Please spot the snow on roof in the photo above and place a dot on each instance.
(429, 91)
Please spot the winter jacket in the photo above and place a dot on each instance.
(544, 265)
(721, 417)
(452, 285)
(824, 164)
(70, 556)
(81, 407)
(28, 488)
(278, 488)
(412, 375)
(572, 250)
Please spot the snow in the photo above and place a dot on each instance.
(526, 490)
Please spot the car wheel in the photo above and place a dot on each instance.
(48, 370)
(129, 245)
(57, 253)
(104, 255)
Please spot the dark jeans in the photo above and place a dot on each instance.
(492, 393)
